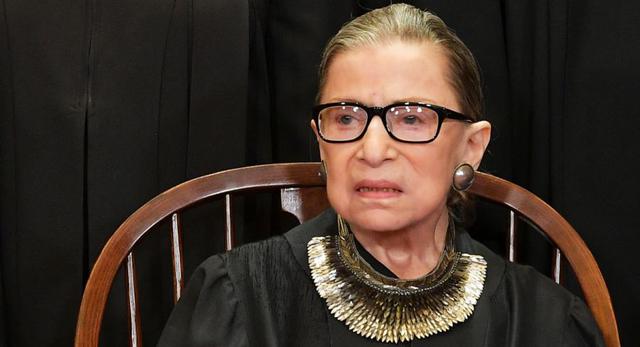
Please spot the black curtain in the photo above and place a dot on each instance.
(104, 104)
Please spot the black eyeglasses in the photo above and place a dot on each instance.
(405, 122)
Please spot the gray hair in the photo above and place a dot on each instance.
(406, 23)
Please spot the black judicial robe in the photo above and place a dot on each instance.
(262, 294)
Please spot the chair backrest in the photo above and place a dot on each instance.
(303, 195)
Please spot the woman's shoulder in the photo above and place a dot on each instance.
(252, 261)
(248, 254)
(510, 276)
(520, 297)
(525, 278)
(549, 306)
(256, 251)
(258, 260)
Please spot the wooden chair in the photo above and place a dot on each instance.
(303, 195)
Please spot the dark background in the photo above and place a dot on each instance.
(104, 104)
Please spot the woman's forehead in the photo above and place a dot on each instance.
(381, 74)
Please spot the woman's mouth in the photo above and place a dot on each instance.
(378, 189)
(372, 189)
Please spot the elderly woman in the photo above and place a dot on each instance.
(398, 125)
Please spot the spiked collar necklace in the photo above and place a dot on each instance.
(390, 309)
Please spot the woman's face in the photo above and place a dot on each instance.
(378, 183)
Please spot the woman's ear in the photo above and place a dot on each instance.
(478, 136)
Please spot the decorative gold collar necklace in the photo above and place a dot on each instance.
(390, 309)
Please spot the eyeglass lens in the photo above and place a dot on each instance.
(407, 123)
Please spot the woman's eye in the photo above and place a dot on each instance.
(345, 120)
(410, 119)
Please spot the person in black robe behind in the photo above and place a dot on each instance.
(400, 137)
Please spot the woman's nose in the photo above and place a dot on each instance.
(377, 145)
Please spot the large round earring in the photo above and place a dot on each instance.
(463, 177)
(322, 172)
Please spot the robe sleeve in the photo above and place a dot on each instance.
(581, 328)
(208, 313)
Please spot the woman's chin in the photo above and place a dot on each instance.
(377, 221)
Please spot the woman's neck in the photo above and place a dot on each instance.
(409, 253)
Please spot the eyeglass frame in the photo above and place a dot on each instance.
(372, 111)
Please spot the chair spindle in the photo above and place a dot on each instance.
(176, 256)
(230, 237)
(556, 266)
(135, 337)
(512, 237)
